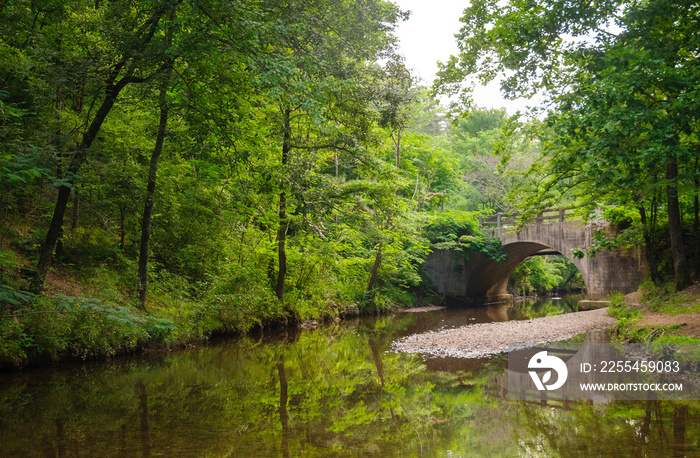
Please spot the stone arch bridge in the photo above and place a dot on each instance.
(480, 280)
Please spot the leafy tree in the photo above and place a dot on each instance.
(396, 96)
(125, 50)
(535, 275)
(164, 109)
(490, 156)
(314, 77)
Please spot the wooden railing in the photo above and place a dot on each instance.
(509, 220)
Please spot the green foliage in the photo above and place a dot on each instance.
(68, 327)
(665, 299)
(460, 231)
(238, 301)
(12, 297)
(681, 341)
(458, 224)
(535, 275)
(659, 299)
(650, 334)
(621, 88)
(490, 154)
(91, 248)
(600, 241)
(383, 299)
(626, 315)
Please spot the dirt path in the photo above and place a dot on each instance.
(688, 320)
(490, 338)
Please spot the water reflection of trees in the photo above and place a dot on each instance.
(643, 428)
(335, 391)
(527, 310)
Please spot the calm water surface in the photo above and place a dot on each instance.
(333, 391)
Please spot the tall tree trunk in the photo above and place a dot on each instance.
(647, 231)
(375, 268)
(680, 264)
(397, 153)
(283, 223)
(146, 220)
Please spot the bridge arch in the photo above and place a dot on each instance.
(490, 278)
(479, 279)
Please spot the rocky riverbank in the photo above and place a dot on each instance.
(490, 338)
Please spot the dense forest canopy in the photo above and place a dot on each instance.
(174, 168)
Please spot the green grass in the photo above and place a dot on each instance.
(650, 334)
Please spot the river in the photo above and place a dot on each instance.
(336, 390)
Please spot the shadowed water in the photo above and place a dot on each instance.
(332, 391)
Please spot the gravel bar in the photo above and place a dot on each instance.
(484, 339)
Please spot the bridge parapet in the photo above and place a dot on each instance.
(500, 222)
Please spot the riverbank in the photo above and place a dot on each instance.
(490, 338)
(90, 311)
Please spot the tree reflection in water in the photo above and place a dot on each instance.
(333, 391)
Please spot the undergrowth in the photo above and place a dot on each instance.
(660, 341)
(60, 327)
(665, 299)
(625, 314)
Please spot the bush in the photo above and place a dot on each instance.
(535, 275)
(238, 300)
(383, 299)
(68, 327)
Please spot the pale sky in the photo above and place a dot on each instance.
(428, 37)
